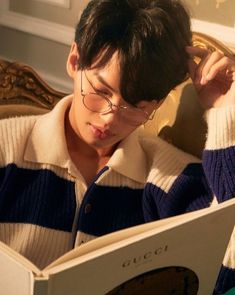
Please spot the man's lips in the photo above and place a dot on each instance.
(99, 131)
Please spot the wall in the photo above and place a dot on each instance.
(39, 32)
(214, 17)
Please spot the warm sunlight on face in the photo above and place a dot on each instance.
(106, 129)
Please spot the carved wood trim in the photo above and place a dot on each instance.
(20, 84)
(212, 44)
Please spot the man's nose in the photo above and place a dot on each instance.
(111, 116)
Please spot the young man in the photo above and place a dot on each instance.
(87, 169)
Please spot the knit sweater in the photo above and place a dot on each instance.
(46, 208)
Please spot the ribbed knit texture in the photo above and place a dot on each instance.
(46, 208)
(39, 244)
(219, 164)
(221, 131)
(225, 281)
(219, 156)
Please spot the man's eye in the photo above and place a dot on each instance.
(102, 92)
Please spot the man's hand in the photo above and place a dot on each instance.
(213, 77)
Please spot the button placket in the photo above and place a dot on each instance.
(80, 190)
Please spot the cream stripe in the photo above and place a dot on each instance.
(14, 135)
(38, 244)
(15, 132)
(113, 179)
(168, 163)
(221, 128)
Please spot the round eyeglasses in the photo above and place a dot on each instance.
(99, 103)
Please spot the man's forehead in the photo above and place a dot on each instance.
(106, 58)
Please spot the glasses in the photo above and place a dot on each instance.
(99, 103)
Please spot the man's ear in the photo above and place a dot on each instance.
(72, 61)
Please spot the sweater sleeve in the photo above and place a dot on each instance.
(219, 153)
(175, 184)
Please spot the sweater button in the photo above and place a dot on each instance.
(88, 208)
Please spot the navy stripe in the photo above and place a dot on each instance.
(220, 167)
(225, 281)
(189, 192)
(152, 197)
(110, 209)
(38, 197)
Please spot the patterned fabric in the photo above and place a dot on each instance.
(46, 208)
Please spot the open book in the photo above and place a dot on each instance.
(177, 255)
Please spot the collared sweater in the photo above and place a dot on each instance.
(46, 208)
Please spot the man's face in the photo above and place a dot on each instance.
(101, 130)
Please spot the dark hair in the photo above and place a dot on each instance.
(150, 37)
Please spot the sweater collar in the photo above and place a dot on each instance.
(47, 144)
(129, 158)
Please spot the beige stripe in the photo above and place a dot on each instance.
(38, 244)
(168, 162)
(14, 134)
(114, 179)
(221, 124)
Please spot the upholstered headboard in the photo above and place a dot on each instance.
(179, 119)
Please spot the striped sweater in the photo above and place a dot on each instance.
(46, 208)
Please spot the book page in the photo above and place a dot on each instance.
(187, 245)
(111, 238)
(16, 276)
(114, 237)
(18, 258)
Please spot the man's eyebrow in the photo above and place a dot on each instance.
(101, 79)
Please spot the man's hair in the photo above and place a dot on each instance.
(150, 37)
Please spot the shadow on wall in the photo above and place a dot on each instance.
(180, 120)
(189, 129)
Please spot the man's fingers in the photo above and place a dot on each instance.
(221, 66)
(192, 66)
(196, 51)
(217, 64)
(210, 65)
(203, 55)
